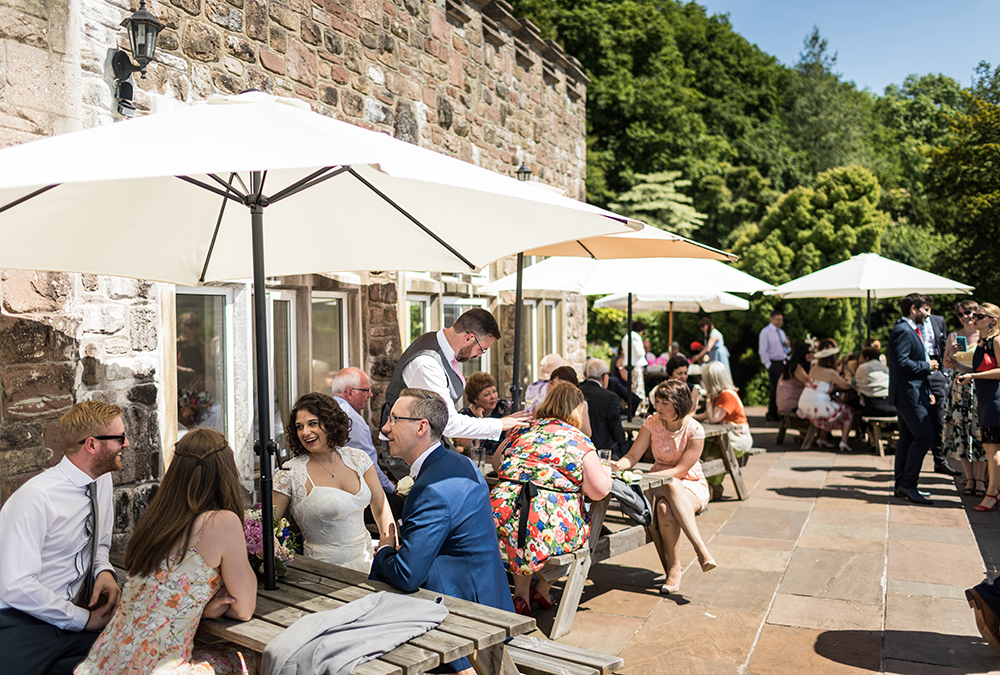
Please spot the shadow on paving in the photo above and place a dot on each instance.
(911, 652)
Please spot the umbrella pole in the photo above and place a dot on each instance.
(628, 345)
(670, 330)
(515, 387)
(263, 384)
(869, 315)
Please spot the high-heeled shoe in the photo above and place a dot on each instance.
(521, 607)
(987, 509)
(667, 589)
(823, 443)
(541, 600)
(981, 493)
(707, 565)
(969, 490)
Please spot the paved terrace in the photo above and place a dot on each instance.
(820, 571)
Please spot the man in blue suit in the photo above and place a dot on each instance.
(448, 541)
(909, 391)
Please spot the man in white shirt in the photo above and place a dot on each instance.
(773, 348)
(352, 390)
(49, 561)
(433, 362)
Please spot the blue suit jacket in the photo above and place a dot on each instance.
(908, 367)
(449, 540)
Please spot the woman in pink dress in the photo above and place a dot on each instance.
(187, 559)
(677, 441)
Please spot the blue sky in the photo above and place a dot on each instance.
(878, 42)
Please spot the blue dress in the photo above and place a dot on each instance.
(718, 352)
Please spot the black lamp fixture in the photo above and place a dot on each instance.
(143, 29)
(523, 172)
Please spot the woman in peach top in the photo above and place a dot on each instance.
(676, 441)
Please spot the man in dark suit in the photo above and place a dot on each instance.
(448, 541)
(909, 391)
(934, 332)
(604, 408)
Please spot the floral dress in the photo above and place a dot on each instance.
(816, 405)
(545, 457)
(961, 426)
(153, 628)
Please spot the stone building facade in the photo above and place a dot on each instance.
(460, 77)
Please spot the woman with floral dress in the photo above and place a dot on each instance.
(187, 559)
(545, 470)
(961, 425)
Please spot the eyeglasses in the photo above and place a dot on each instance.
(481, 350)
(979, 316)
(120, 438)
(964, 312)
(395, 418)
(366, 389)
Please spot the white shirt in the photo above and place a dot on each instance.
(424, 372)
(418, 463)
(771, 345)
(42, 533)
(923, 333)
(638, 351)
(361, 438)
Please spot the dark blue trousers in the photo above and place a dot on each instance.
(916, 435)
(30, 645)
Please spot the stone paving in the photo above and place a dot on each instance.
(820, 571)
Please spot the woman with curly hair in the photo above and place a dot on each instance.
(328, 485)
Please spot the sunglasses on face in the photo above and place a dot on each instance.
(979, 316)
(962, 312)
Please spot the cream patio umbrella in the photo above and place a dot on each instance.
(180, 197)
(869, 275)
(679, 302)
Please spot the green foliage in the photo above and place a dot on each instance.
(735, 196)
(656, 200)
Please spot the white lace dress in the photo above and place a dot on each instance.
(332, 520)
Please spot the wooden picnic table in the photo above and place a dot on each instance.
(476, 631)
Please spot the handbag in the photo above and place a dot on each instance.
(632, 501)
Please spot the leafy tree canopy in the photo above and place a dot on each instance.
(655, 199)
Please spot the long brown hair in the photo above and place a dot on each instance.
(202, 477)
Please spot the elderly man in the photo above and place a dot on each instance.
(773, 347)
(433, 362)
(57, 588)
(352, 390)
(604, 408)
(448, 541)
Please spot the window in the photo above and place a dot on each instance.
(281, 362)
(202, 356)
(417, 316)
(529, 343)
(329, 342)
(550, 328)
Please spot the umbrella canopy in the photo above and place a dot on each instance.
(649, 242)
(680, 302)
(869, 275)
(375, 203)
(190, 208)
(640, 275)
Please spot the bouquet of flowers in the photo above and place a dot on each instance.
(284, 542)
(194, 406)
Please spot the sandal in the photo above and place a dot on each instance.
(981, 493)
(540, 599)
(970, 491)
(987, 509)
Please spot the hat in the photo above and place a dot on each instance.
(549, 363)
(829, 351)
(696, 346)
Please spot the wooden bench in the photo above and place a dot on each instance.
(542, 657)
(807, 431)
(877, 423)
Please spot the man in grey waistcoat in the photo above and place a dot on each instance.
(433, 361)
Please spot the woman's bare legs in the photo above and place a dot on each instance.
(522, 587)
(675, 513)
(993, 466)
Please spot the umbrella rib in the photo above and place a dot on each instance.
(228, 186)
(215, 234)
(589, 252)
(206, 186)
(309, 181)
(411, 218)
(28, 196)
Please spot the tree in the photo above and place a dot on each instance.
(963, 186)
(736, 196)
(656, 200)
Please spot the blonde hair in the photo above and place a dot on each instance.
(716, 378)
(993, 311)
(83, 420)
(563, 403)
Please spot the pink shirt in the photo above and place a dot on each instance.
(668, 446)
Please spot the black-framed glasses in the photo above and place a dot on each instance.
(481, 350)
(979, 316)
(964, 312)
(120, 438)
(366, 389)
(395, 418)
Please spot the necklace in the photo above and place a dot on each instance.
(329, 471)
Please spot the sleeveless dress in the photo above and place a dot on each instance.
(719, 352)
(668, 447)
(549, 454)
(816, 406)
(332, 520)
(153, 628)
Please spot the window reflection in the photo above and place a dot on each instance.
(200, 353)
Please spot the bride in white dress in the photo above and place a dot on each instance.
(328, 485)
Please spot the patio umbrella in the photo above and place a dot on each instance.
(190, 207)
(649, 275)
(649, 242)
(680, 302)
(869, 275)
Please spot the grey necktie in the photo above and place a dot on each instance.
(87, 589)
